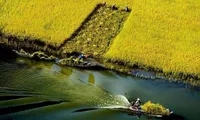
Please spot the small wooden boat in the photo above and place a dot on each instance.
(139, 112)
(85, 64)
(89, 65)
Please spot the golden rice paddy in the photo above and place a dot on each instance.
(162, 34)
(52, 21)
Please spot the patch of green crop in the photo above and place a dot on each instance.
(98, 32)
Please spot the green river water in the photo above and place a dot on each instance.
(36, 90)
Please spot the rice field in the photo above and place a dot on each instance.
(47, 20)
(94, 36)
(162, 34)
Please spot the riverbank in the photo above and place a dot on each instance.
(100, 64)
(12, 43)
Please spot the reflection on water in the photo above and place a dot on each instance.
(43, 90)
(47, 78)
(91, 79)
(55, 69)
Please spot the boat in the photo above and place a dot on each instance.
(82, 64)
(138, 112)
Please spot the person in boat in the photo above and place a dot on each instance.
(126, 9)
(136, 104)
(81, 56)
(104, 3)
(114, 7)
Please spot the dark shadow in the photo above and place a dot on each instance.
(6, 53)
(173, 117)
(14, 109)
(3, 98)
(85, 110)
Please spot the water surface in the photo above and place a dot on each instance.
(43, 90)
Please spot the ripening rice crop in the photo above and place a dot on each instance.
(155, 109)
(94, 36)
(52, 21)
(163, 34)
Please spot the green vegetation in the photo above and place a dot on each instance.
(72, 61)
(155, 109)
(38, 55)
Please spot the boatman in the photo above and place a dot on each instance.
(104, 3)
(114, 7)
(137, 104)
(81, 56)
(126, 9)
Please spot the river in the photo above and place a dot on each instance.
(38, 90)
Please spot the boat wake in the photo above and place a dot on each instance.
(115, 107)
(123, 104)
(122, 98)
